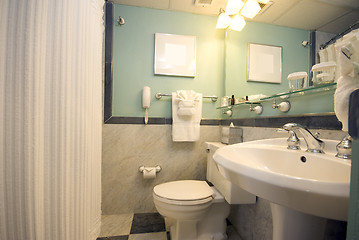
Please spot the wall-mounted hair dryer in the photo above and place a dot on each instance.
(146, 101)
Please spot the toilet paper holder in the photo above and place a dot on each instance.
(142, 168)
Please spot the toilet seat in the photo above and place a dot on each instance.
(184, 192)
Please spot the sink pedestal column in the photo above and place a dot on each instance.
(294, 225)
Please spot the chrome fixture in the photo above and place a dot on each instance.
(344, 148)
(121, 21)
(314, 144)
(306, 43)
(257, 109)
(292, 141)
(228, 111)
(283, 106)
(160, 95)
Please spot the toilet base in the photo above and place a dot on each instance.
(212, 227)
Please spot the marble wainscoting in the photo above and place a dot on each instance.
(257, 133)
(128, 146)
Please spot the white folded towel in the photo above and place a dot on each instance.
(346, 84)
(186, 115)
(186, 108)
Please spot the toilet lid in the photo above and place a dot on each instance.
(184, 190)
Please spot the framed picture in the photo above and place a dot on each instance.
(175, 55)
(264, 63)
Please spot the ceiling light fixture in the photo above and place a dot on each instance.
(223, 20)
(237, 23)
(250, 9)
(263, 1)
(233, 19)
(234, 6)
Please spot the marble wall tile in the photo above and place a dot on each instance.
(128, 146)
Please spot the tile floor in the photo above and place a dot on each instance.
(139, 226)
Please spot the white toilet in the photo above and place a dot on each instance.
(195, 211)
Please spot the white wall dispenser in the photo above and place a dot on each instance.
(146, 101)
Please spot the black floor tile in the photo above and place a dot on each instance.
(147, 222)
(168, 236)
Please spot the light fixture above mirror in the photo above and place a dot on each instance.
(236, 10)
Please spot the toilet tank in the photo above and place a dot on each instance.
(232, 193)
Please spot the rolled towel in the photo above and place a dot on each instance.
(323, 55)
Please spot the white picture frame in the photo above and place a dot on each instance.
(175, 55)
(264, 63)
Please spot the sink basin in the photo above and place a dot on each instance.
(311, 183)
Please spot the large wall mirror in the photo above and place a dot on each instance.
(300, 52)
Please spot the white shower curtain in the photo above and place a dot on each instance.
(50, 119)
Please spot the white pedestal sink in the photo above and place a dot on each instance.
(304, 188)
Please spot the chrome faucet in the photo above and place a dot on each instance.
(314, 144)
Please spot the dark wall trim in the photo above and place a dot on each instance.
(108, 60)
(354, 114)
(152, 121)
(317, 121)
(312, 57)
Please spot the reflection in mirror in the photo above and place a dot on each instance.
(300, 52)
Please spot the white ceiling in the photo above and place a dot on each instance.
(331, 16)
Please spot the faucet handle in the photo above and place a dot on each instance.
(344, 148)
(292, 141)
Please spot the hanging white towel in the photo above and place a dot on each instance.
(346, 85)
(186, 115)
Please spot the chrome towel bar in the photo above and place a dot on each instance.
(160, 95)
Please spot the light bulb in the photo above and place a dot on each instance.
(238, 23)
(250, 9)
(223, 21)
(234, 6)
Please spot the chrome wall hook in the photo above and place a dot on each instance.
(121, 21)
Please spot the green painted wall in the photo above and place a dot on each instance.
(134, 61)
